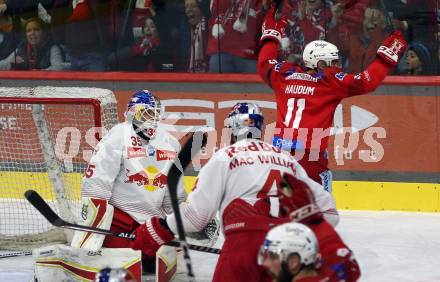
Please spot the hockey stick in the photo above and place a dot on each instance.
(279, 7)
(35, 199)
(389, 20)
(196, 141)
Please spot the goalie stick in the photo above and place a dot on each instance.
(35, 199)
(191, 148)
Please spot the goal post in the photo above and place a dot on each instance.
(47, 136)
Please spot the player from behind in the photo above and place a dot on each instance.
(297, 204)
(307, 96)
(290, 253)
(239, 181)
(127, 174)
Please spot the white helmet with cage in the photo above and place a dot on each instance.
(291, 238)
(319, 50)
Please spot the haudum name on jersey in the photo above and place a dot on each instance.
(299, 89)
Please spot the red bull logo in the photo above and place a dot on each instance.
(160, 180)
(151, 178)
(140, 178)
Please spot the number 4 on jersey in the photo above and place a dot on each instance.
(273, 177)
(300, 105)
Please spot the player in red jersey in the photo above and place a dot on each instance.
(297, 204)
(307, 96)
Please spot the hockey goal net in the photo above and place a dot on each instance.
(47, 135)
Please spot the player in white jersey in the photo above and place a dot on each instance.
(128, 173)
(241, 181)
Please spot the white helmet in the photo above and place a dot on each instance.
(291, 238)
(319, 50)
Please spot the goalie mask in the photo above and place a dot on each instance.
(320, 50)
(246, 121)
(144, 110)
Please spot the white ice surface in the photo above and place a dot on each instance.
(390, 247)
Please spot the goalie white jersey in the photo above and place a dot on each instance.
(131, 172)
(249, 170)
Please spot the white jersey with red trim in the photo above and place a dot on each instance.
(249, 170)
(130, 172)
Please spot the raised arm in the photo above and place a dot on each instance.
(272, 31)
(388, 55)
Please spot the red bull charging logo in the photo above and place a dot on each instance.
(151, 178)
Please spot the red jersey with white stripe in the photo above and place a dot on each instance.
(306, 102)
(247, 171)
(131, 173)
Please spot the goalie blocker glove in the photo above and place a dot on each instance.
(392, 48)
(272, 28)
(151, 235)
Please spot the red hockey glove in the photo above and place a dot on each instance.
(392, 48)
(272, 28)
(151, 235)
(297, 201)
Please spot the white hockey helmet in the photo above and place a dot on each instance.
(319, 50)
(290, 238)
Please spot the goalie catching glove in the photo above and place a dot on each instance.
(392, 48)
(151, 235)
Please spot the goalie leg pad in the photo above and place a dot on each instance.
(95, 213)
(65, 263)
(166, 263)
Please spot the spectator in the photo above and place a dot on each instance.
(316, 20)
(416, 18)
(360, 49)
(8, 42)
(308, 20)
(418, 60)
(37, 52)
(84, 27)
(145, 51)
(26, 9)
(198, 60)
(3, 6)
(233, 37)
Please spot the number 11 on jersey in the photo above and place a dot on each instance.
(300, 105)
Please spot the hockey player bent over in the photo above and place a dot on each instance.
(240, 181)
(297, 204)
(127, 173)
(290, 253)
(307, 96)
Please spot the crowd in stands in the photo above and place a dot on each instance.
(206, 35)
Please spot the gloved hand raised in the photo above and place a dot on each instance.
(273, 29)
(392, 48)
